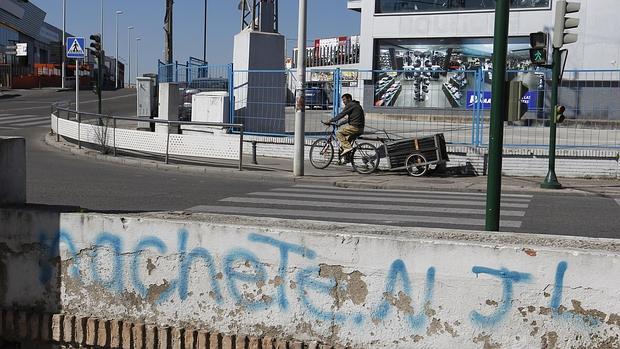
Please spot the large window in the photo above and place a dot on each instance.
(399, 6)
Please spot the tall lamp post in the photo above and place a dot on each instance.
(116, 64)
(137, 59)
(300, 105)
(129, 55)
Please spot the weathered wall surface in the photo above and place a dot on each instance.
(360, 286)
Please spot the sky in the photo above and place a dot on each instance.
(326, 18)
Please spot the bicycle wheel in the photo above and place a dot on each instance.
(365, 158)
(416, 165)
(321, 153)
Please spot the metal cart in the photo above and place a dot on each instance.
(415, 155)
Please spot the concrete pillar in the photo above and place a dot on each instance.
(168, 109)
(12, 170)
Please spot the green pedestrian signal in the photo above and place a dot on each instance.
(538, 50)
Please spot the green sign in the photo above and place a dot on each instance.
(538, 56)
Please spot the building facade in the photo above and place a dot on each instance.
(466, 26)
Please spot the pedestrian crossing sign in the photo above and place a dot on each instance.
(75, 47)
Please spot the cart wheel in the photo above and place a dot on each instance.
(321, 153)
(416, 165)
(364, 158)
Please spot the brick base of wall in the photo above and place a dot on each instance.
(88, 332)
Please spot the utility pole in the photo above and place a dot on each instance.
(204, 55)
(129, 55)
(300, 104)
(496, 141)
(64, 42)
(168, 32)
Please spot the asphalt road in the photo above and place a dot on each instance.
(59, 178)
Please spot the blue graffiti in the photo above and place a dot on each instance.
(398, 271)
(53, 250)
(556, 298)
(115, 282)
(233, 276)
(508, 278)
(135, 268)
(187, 260)
(285, 248)
(308, 279)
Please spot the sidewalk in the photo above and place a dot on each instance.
(344, 176)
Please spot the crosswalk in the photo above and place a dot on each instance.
(424, 208)
(15, 121)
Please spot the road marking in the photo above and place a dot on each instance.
(356, 192)
(387, 199)
(8, 128)
(352, 216)
(21, 117)
(618, 201)
(35, 123)
(359, 206)
(48, 106)
(407, 191)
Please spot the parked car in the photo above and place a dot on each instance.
(317, 95)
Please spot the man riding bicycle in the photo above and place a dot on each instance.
(355, 124)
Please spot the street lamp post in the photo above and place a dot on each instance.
(137, 59)
(64, 39)
(129, 55)
(116, 64)
(300, 105)
(102, 26)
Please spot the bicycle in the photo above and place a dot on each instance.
(363, 158)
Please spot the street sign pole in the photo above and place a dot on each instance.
(551, 180)
(77, 88)
(300, 105)
(494, 177)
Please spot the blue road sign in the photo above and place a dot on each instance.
(75, 48)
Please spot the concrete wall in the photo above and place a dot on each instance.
(598, 46)
(355, 285)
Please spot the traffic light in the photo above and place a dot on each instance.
(538, 50)
(560, 36)
(96, 44)
(559, 114)
(517, 102)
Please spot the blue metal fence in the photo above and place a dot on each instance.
(415, 102)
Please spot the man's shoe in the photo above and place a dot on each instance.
(344, 152)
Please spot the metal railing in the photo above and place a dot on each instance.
(104, 121)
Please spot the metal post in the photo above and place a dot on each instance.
(77, 86)
(102, 25)
(204, 55)
(79, 120)
(167, 141)
(241, 148)
(231, 93)
(551, 180)
(129, 55)
(114, 135)
(116, 65)
(57, 129)
(137, 59)
(494, 178)
(64, 42)
(300, 105)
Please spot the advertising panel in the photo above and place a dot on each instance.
(438, 73)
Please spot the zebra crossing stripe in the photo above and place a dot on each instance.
(14, 118)
(387, 199)
(45, 122)
(367, 207)
(407, 191)
(355, 192)
(350, 216)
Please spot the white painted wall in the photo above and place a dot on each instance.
(598, 46)
(356, 285)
